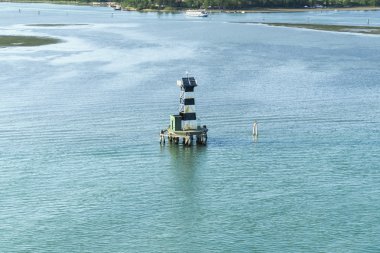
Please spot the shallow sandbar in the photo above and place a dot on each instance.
(26, 41)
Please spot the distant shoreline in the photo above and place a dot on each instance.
(332, 28)
(261, 10)
(256, 10)
(270, 10)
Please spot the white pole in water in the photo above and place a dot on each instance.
(255, 129)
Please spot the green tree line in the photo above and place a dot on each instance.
(244, 4)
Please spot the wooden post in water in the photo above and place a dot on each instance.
(162, 137)
(255, 131)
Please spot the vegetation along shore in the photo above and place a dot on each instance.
(226, 5)
(245, 4)
(332, 28)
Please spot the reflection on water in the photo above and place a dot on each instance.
(185, 162)
(188, 154)
(184, 165)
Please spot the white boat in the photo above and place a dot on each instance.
(196, 13)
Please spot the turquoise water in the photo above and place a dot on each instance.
(81, 168)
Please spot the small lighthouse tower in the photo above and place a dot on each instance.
(185, 124)
(187, 103)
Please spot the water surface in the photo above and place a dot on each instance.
(82, 169)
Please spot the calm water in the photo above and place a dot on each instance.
(81, 169)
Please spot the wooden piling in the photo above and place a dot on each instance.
(255, 131)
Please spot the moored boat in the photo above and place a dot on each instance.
(196, 13)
